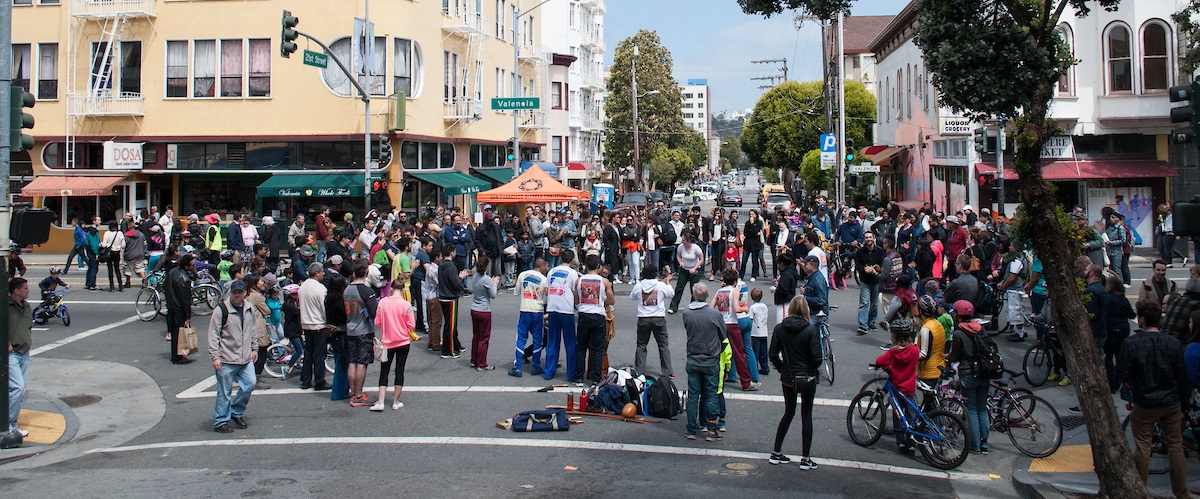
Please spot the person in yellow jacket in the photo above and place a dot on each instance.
(931, 342)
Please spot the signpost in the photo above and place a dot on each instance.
(516, 103)
(828, 150)
(864, 168)
(316, 59)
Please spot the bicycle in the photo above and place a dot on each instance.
(933, 396)
(1159, 460)
(843, 263)
(1031, 423)
(151, 301)
(281, 352)
(1043, 357)
(206, 297)
(52, 308)
(939, 435)
(827, 360)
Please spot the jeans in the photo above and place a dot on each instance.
(737, 344)
(633, 259)
(976, 392)
(297, 351)
(551, 260)
(93, 268)
(561, 330)
(529, 324)
(745, 325)
(78, 250)
(1141, 421)
(868, 304)
(701, 381)
(320, 258)
(227, 408)
(315, 349)
(652, 258)
(414, 289)
(685, 278)
(656, 327)
(760, 353)
(18, 381)
(717, 257)
(590, 331)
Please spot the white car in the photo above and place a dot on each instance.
(681, 196)
(709, 192)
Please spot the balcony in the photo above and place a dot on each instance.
(596, 6)
(1144, 110)
(533, 54)
(105, 9)
(461, 18)
(532, 119)
(591, 80)
(591, 40)
(124, 104)
(592, 121)
(461, 108)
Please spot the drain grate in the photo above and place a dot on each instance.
(74, 401)
(1071, 421)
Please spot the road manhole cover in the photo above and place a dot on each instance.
(80, 400)
(741, 466)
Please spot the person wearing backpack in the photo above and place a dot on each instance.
(795, 352)
(966, 348)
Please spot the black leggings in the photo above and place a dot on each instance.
(807, 394)
(400, 356)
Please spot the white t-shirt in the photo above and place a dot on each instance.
(651, 296)
(591, 294)
(560, 297)
(824, 258)
(724, 303)
(758, 314)
(532, 285)
(690, 258)
(716, 231)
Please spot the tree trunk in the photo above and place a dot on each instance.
(1110, 451)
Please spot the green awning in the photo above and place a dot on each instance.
(503, 174)
(453, 183)
(316, 185)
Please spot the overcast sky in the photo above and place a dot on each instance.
(713, 39)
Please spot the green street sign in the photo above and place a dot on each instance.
(316, 59)
(511, 103)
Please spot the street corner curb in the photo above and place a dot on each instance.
(1029, 487)
(39, 401)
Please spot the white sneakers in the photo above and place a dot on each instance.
(396, 406)
(378, 407)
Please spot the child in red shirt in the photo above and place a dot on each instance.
(901, 361)
(731, 253)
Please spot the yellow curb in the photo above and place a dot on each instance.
(1068, 459)
(44, 427)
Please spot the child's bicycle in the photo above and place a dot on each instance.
(940, 435)
(55, 307)
(283, 358)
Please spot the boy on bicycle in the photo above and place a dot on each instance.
(51, 284)
(900, 362)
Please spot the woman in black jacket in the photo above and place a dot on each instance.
(796, 353)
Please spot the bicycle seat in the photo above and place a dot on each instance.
(925, 387)
(821, 314)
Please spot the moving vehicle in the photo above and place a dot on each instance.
(767, 189)
(729, 197)
(682, 195)
(709, 192)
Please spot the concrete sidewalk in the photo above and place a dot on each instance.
(74, 406)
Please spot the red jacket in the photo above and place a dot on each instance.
(901, 363)
(958, 244)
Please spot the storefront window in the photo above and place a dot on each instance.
(486, 156)
(426, 155)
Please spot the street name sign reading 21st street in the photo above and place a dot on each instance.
(316, 59)
(515, 103)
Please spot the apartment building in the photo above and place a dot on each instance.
(577, 88)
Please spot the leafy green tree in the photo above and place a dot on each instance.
(731, 152)
(770, 175)
(1003, 58)
(660, 116)
(1189, 30)
(727, 126)
(668, 165)
(814, 178)
(696, 146)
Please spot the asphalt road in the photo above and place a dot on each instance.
(444, 443)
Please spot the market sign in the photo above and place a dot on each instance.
(455, 191)
(122, 156)
(1059, 148)
(954, 125)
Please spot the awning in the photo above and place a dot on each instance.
(55, 185)
(533, 186)
(550, 168)
(502, 174)
(580, 166)
(883, 155)
(453, 183)
(873, 150)
(1108, 168)
(316, 185)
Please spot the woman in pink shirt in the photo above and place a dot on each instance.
(395, 321)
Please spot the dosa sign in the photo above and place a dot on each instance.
(122, 156)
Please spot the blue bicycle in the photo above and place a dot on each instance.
(940, 435)
(54, 307)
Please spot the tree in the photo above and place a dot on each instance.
(727, 126)
(788, 121)
(660, 116)
(1003, 58)
(696, 146)
(731, 152)
(814, 178)
(770, 175)
(1189, 31)
(667, 165)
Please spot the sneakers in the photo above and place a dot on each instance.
(711, 436)
(617, 281)
(861, 331)
(361, 401)
(378, 407)
(671, 311)
(536, 371)
(983, 447)
(1015, 337)
(752, 279)
(397, 405)
(578, 382)
(261, 385)
(516, 373)
(1066, 380)
(485, 368)
(1076, 410)
(885, 346)
(807, 464)
(754, 386)
(1052, 377)
(20, 431)
(455, 356)
(778, 458)
(690, 436)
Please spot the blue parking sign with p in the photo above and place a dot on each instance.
(828, 142)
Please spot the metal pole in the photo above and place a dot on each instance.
(841, 135)
(9, 438)
(825, 70)
(367, 113)
(516, 66)
(1000, 164)
(637, 150)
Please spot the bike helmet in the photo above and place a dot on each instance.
(187, 248)
(226, 254)
(55, 270)
(291, 289)
(928, 306)
(901, 327)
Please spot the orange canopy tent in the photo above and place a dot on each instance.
(533, 186)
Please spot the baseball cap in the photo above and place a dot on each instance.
(335, 260)
(967, 208)
(238, 285)
(964, 308)
(487, 206)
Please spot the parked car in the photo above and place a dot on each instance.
(681, 196)
(709, 192)
(632, 200)
(729, 197)
(777, 198)
(656, 196)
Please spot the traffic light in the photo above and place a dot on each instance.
(849, 150)
(379, 185)
(511, 150)
(19, 99)
(1189, 113)
(31, 226)
(385, 152)
(288, 34)
(980, 140)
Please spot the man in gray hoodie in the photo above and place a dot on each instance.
(705, 332)
(233, 346)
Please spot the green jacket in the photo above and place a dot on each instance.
(20, 326)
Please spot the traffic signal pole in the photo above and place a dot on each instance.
(9, 438)
(1000, 164)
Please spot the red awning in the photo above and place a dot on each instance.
(55, 185)
(581, 166)
(873, 150)
(1106, 168)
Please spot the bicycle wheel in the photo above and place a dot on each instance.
(865, 417)
(1036, 365)
(1033, 426)
(329, 363)
(954, 406)
(275, 353)
(65, 314)
(1159, 462)
(205, 298)
(827, 360)
(146, 305)
(949, 449)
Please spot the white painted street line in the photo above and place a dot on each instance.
(41, 329)
(98, 302)
(544, 444)
(199, 390)
(71, 339)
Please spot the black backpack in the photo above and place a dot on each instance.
(669, 237)
(987, 363)
(663, 398)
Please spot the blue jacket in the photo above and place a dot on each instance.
(822, 225)
(235, 237)
(847, 233)
(460, 237)
(816, 293)
(80, 237)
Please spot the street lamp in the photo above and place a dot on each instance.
(516, 66)
(637, 150)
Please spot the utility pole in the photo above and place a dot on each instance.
(368, 50)
(1000, 164)
(781, 77)
(637, 151)
(841, 103)
(8, 439)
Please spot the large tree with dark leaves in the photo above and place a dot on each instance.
(1002, 58)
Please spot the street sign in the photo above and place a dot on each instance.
(316, 59)
(512, 103)
(828, 150)
(864, 168)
